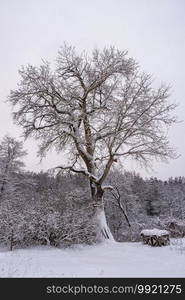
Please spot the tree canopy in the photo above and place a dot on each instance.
(99, 107)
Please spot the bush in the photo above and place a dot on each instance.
(40, 224)
(175, 227)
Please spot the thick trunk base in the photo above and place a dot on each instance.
(103, 231)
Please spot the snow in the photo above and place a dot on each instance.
(107, 187)
(110, 259)
(154, 231)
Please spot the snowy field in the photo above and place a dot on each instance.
(106, 260)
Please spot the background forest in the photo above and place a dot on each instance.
(45, 208)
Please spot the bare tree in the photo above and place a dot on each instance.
(100, 108)
(11, 154)
(117, 197)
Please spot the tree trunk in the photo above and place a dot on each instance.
(11, 240)
(103, 231)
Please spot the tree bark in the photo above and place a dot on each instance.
(103, 231)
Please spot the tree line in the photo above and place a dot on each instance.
(56, 209)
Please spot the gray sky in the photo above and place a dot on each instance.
(153, 31)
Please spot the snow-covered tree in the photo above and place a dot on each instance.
(11, 185)
(11, 154)
(100, 108)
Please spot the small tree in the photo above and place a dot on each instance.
(99, 108)
(11, 182)
(11, 154)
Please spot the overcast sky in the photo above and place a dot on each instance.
(153, 31)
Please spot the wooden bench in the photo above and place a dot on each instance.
(155, 237)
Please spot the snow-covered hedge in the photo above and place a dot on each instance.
(42, 224)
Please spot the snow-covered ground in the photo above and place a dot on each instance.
(105, 260)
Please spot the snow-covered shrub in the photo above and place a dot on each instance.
(38, 223)
(176, 227)
(41, 227)
(78, 224)
(12, 225)
(28, 225)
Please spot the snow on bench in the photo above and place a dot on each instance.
(155, 237)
